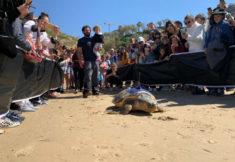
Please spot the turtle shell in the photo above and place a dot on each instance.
(140, 94)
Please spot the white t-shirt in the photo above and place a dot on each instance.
(33, 35)
(196, 37)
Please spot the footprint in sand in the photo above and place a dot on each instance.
(206, 150)
(208, 141)
(180, 135)
(44, 140)
(144, 144)
(74, 148)
(25, 151)
(166, 118)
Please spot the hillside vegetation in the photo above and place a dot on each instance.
(67, 40)
(115, 39)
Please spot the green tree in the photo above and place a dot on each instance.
(139, 25)
(159, 23)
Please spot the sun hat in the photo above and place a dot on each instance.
(218, 11)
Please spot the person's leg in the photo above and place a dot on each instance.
(87, 77)
(102, 80)
(81, 79)
(75, 72)
(95, 67)
(119, 83)
(9, 74)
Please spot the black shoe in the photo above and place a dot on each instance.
(86, 94)
(95, 93)
(198, 92)
(212, 92)
(220, 92)
(14, 106)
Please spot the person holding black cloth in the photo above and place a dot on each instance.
(91, 65)
(10, 67)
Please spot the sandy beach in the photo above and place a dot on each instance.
(73, 129)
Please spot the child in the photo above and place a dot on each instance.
(162, 53)
(112, 77)
(103, 69)
(99, 41)
(107, 59)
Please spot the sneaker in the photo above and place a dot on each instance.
(25, 108)
(95, 93)
(14, 117)
(18, 112)
(42, 102)
(29, 104)
(7, 123)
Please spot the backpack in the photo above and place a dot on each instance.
(7, 41)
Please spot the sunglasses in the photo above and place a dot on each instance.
(188, 22)
(30, 5)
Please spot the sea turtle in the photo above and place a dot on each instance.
(136, 99)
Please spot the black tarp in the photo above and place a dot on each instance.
(185, 68)
(36, 79)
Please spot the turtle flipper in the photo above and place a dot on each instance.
(126, 109)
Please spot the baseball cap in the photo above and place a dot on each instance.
(140, 39)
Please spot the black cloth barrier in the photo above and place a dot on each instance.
(9, 74)
(185, 68)
(36, 79)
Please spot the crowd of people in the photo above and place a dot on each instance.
(212, 34)
(24, 37)
(88, 71)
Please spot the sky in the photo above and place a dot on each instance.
(71, 15)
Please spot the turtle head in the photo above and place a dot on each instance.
(158, 107)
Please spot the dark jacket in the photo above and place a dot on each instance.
(219, 37)
(10, 7)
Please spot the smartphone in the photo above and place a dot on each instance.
(183, 31)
